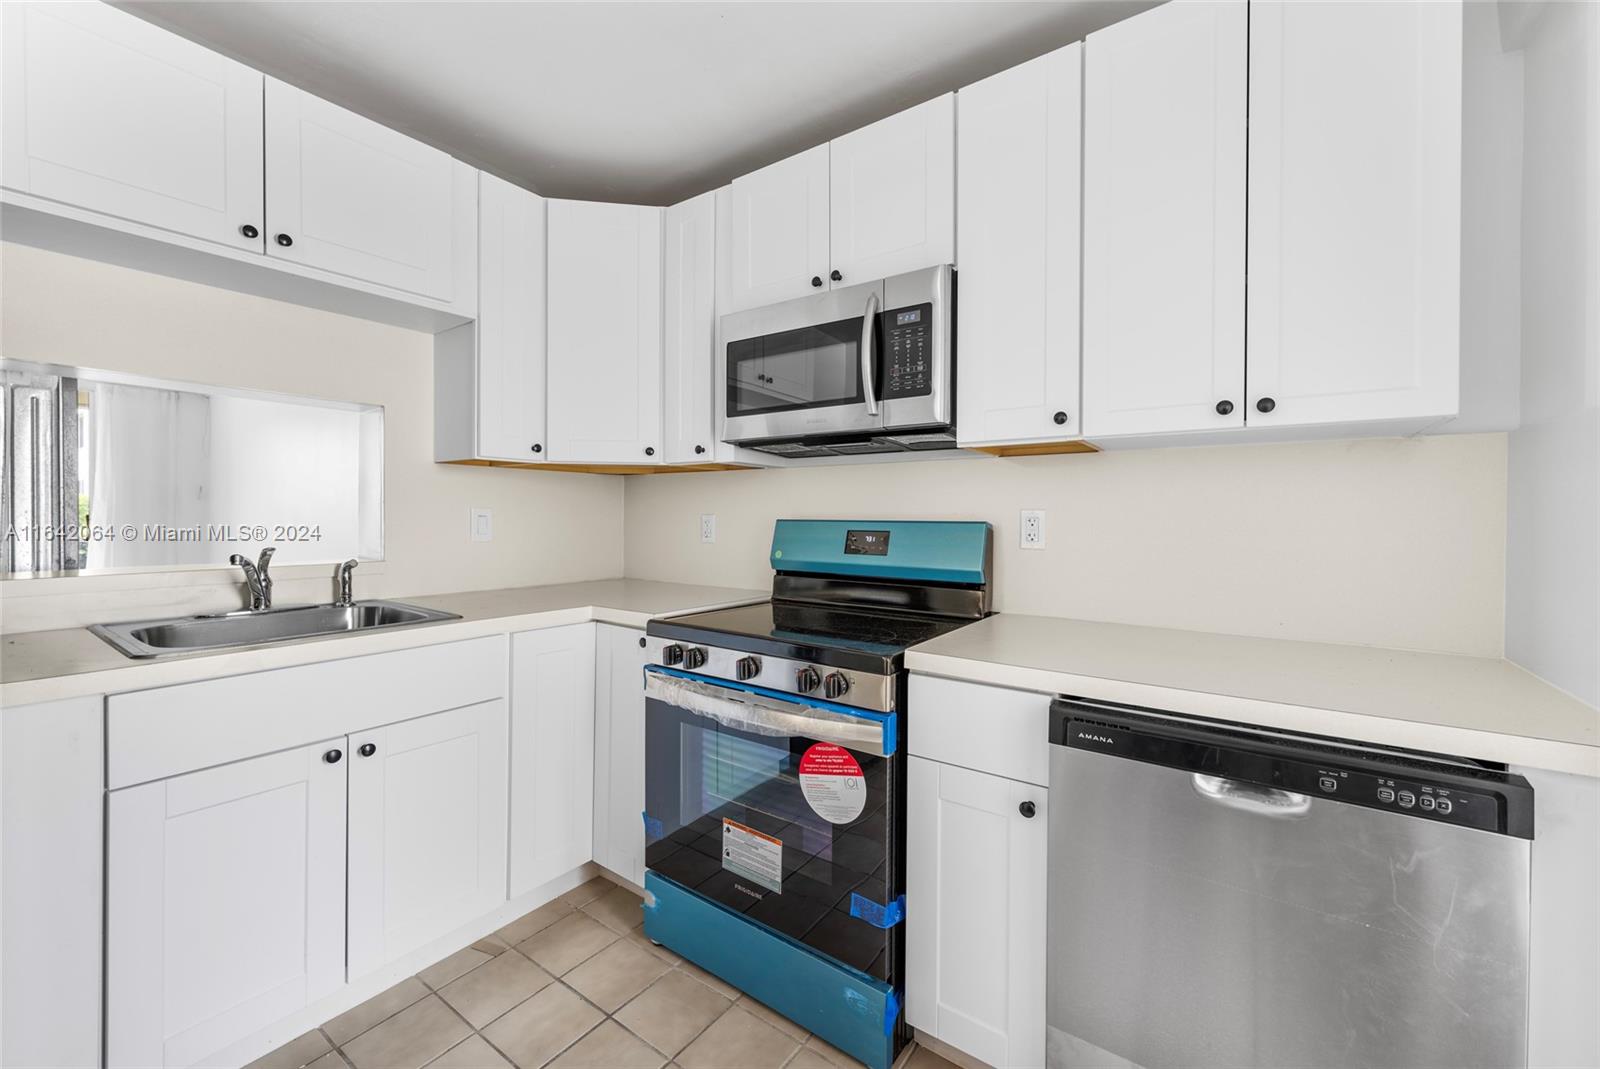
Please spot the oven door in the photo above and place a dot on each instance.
(804, 367)
(779, 811)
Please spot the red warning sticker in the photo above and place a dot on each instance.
(832, 783)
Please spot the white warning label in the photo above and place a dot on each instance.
(748, 853)
(833, 783)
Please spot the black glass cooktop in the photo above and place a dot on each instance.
(864, 640)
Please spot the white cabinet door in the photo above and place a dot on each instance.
(604, 332)
(104, 111)
(552, 753)
(620, 657)
(689, 325)
(1020, 239)
(511, 360)
(1163, 223)
(780, 231)
(225, 903)
(1355, 211)
(349, 196)
(975, 912)
(427, 830)
(892, 201)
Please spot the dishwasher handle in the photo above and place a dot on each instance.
(1250, 797)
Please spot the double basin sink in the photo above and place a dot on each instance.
(188, 634)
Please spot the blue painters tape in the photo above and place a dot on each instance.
(878, 915)
(652, 828)
(887, 721)
(891, 1012)
(943, 551)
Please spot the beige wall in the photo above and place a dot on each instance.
(1384, 542)
(548, 527)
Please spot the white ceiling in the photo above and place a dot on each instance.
(641, 102)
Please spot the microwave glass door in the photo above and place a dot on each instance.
(809, 367)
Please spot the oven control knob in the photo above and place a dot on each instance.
(806, 680)
(694, 657)
(835, 685)
(747, 668)
(672, 654)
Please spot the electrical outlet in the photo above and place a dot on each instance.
(1032, 528)
(708, 527)
(481, 525)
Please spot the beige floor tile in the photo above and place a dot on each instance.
(460, 963)
(615, 975)
(773, 1017)
(806, 1058)
(494, 987)
(568, 942)
(672, 1011)
(531, 923)
(832, 1053)
(379, 1007)
(411, 1038)
(472, 1053)
(610, 1046)
(543, 1026)
(736, 1040)
(726, 990)
(331, 1060)
(299, 1051)
(639, 939)
(587, 892)
(491, 945)
(923, 1058)
(618, 909)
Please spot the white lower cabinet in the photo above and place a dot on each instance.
(427, 830)
(620, 657)
(552, 753)
(225, 905)
(975, 912)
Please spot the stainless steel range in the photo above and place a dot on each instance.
(775, 770)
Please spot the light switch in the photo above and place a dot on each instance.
(483, 525)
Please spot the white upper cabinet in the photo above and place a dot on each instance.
(892, 200)
(1355, 211)
(1164, 218)
(349, 196)
(427, 830)
(604, 332)
(510, 328)
(225, 903)
(105, 112)
(780, 231)
(689, 326)
(1019, 232)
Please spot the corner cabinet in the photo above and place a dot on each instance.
(620, 657)
(689, 315)
(1018, 173)
(603, 333)
(1164, 221)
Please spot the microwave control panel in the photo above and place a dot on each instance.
(907, 352)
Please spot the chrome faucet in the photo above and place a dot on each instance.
(257, 580)
(341, 580)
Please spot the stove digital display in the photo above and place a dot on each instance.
(867, 543)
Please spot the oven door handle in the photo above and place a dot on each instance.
(869, 386)
(763, 714)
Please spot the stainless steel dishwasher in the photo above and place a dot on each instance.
(1230, 897)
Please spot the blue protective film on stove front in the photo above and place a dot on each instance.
(930, 551)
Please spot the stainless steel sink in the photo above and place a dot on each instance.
(185, 634)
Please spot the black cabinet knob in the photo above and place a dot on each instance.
(366, 749)
(1027, 809)
(641, 642)
(537, 448)
(285, 240)
(332, 756)
(1224, 407)
(816, 280)
(1266, 404)
(699, 449)
(249, 231)
(1060, 418)
(835, 275)
(649, 450)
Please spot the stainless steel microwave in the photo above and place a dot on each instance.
(868, 368)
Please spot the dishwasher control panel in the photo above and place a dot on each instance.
(1416, 797)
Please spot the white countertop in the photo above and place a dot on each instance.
(38, 666)
(1475, 707)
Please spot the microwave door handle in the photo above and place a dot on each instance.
(869, 387)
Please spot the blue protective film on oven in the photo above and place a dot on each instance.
(853, 1011)
(933, 551)
(652, 828)
(877, 914)
(888, 721)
